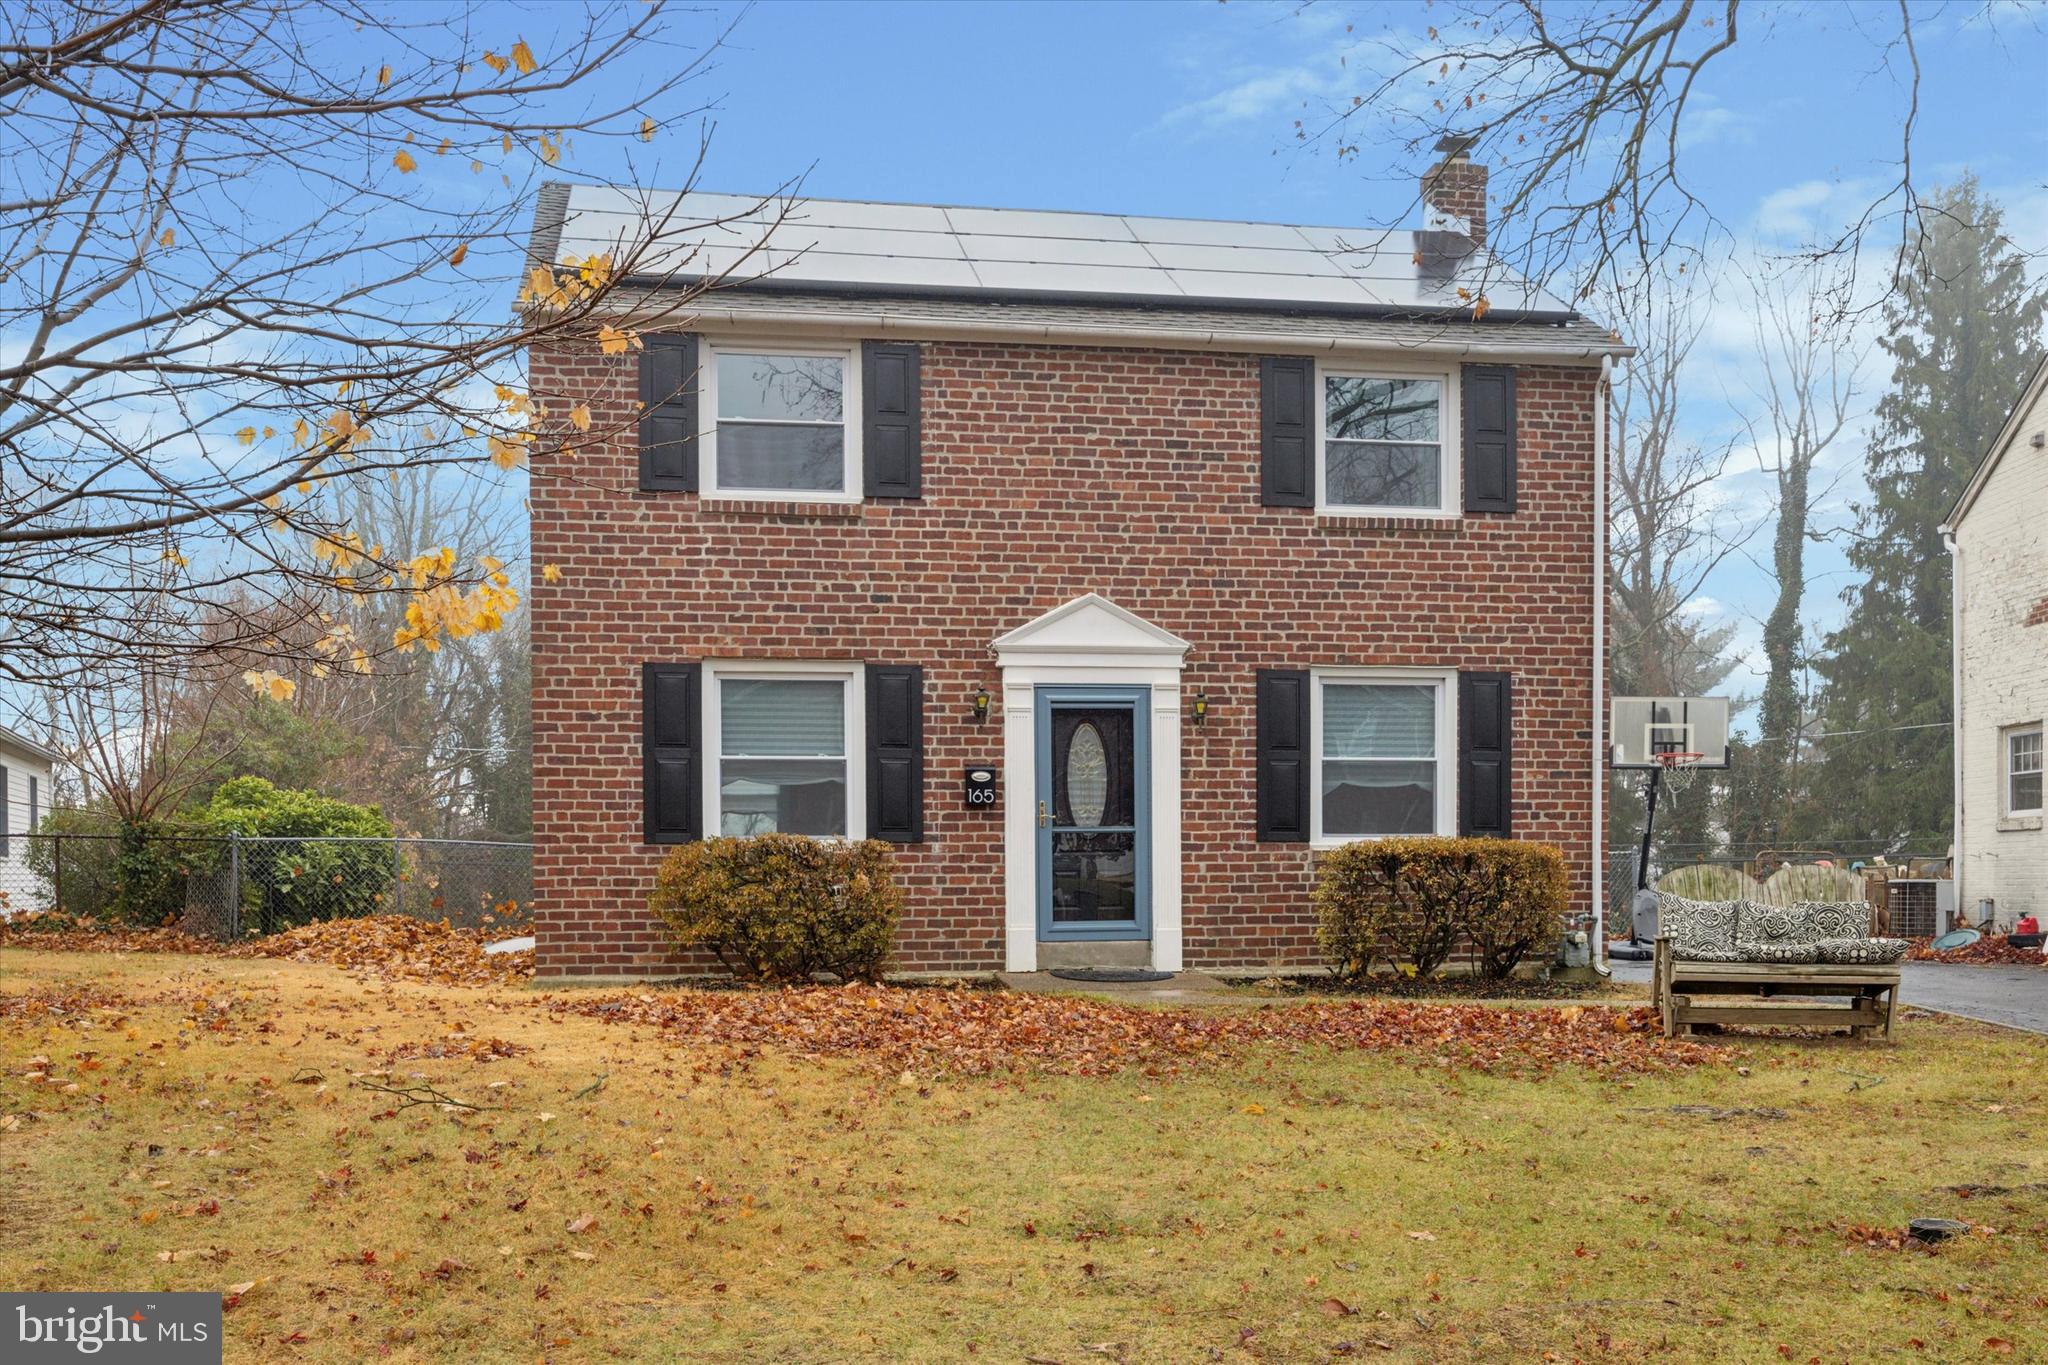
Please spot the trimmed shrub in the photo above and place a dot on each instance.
(1418, 899)
(782, 907)
(1520, 897)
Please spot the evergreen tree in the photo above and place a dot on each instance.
(1962, 329)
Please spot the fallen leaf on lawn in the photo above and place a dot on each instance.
(583, 1255)
(175, 1256)
(1253, 1109)
(546, 1117)
(584, 1223)
(1423, 1236)
(1337, 1308)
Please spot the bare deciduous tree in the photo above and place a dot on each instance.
(1581, 112)
(1807, 396)
(1665, 536)
(250, 248)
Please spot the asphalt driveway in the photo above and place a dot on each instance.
(2014, 996)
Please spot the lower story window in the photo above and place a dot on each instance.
(784, 752)
(1381, 751)
(2023, 769)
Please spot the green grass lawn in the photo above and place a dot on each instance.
(746, 1204)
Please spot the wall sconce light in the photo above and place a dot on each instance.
(981, 706)
(1201, 707)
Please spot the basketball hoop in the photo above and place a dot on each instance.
(1679, 759)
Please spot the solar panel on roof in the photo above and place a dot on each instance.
(846, 244)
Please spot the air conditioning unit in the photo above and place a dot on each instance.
(1919, 907)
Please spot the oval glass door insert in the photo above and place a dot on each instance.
(1087, 775)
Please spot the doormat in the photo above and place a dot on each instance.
(1109, 975)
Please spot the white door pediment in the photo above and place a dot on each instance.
(1092, 625)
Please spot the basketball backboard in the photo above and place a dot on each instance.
(1641, 728)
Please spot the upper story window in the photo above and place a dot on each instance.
(1381, 446)
(782, 427)
(782, 737)
(1382, 748)
(2023, 770)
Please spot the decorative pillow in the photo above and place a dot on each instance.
(1878, 950)
(1835, 919)
(1700, 931)
(1774, 926)
(1750, 950)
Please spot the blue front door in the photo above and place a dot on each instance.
(1094, 813)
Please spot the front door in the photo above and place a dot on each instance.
(1094, 813)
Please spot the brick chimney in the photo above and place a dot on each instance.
(1455, 188)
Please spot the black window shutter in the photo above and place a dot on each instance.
(668, 414)
(891, 434)
(6, 817)
(671, 752)
(1487, 399)
(1283, 755)
(896, 753)
(1485, 763)
(1287, 445)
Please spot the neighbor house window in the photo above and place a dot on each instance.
(783, 740)
(1383, 748)
(1382, 443)
(2023, 766)
(782, 428)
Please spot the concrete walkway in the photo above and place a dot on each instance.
(1183, 988)
(2014, 996)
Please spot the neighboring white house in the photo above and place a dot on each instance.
(24, 800)
(1998, 544)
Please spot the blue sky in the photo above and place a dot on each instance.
(1187, 109)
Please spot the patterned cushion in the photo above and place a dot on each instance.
(1835, 919)
(1750, 950)
(1700, 931)
(1878, 950)
(1774, 933)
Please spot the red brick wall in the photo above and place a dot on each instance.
(1049, 472)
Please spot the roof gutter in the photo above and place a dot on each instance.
(1233, 339)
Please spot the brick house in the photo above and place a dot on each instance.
(1109, 567)
(1998, 550)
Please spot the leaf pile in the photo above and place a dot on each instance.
(57, 932)
(928, 1032)
(1991, 949)
(393, 947)
(397, 947)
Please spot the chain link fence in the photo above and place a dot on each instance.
(234, 887)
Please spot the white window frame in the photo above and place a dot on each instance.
(850, 411)
(1445, 680)
(2008, 742)
(715, 673)
(1450, 437)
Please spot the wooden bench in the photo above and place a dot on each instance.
(1857, 996)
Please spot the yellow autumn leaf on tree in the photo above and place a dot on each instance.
(170, 238)
(647, 130)
(612, 341)
(173, 557)
(446, 143)
(551, 573)
(495, 62)
(404, 162)
(579, 417)
(550, 150)
(505, 454)
(270, 682)
(522, 57)
(247, 436)
(476, 167)
(506, 142)
(269, 432)
(383, 75)
(455, 256)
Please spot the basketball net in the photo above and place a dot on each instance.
(1679, 767)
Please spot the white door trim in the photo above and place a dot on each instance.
(1088, 642)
